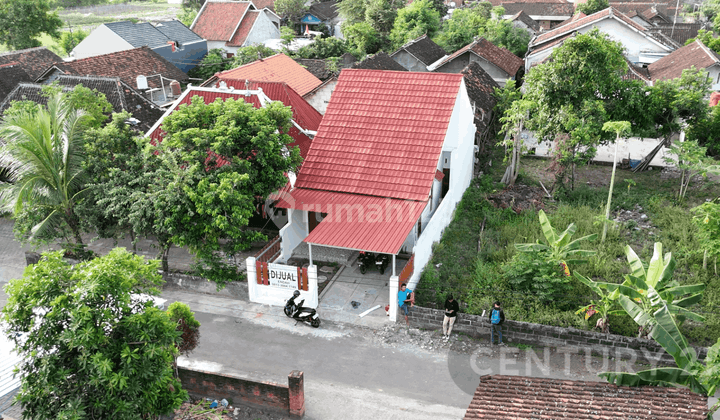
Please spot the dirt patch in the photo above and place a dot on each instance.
(200, 410)
(518, 198)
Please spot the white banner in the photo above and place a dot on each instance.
(285, 276)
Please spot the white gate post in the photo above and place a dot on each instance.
(313, 286)
(251, 278)
(394, 297)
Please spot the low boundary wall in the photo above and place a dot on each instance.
(234, 289)
(599, 344)
(286, 399)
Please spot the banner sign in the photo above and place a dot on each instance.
(285, 276)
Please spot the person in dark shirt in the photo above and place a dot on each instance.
(451, 310)
(497, 318)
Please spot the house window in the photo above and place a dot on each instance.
(230, 55)
(419, 227)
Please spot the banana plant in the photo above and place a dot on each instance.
(607, 304)
(560, 247)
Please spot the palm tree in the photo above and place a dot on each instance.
(43, 155)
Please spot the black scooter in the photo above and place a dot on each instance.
(381, 262)
(301, 313)
(365, 259)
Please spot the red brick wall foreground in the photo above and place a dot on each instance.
(287, 399)
(597, 343)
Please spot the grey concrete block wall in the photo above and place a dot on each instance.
(647, 351)
(236, 289)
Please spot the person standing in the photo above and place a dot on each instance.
(497, 318)
(406, 298)
(451, 310)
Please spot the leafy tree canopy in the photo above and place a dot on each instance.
(246, 55)
(362, 38)
(324, 48)
(592, 6)
(69, 40)
(464, 25)
(22, 21)
(414, 20)
(212, 63)
(187, 16)
(90, 348)
(502, 33)
(292, 10)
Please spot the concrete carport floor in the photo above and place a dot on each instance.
(368, 290)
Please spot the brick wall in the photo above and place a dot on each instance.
(599, 344)
(286, 399)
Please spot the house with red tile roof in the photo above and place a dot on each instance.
(696, 55)
(522, 397)
(499, 63)
(392, 157)
(641, 45)
(277, 68)
(229, 25)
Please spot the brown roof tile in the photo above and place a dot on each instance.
(11, 75)
(545, 8)
(672, 65)
(520, 397)
(218, 19)
(680, 32)
(379, 61)
(33, 60)
(527, 20)
(127, 65)
(262, 4)
(502, 58)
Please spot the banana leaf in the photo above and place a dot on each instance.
(636, 313)
(547, 228)
(531, 247)
(566, 236)
(593, 285)
(684, 290)
(659, 376)
(667, 334)
(682, 313)
(637, 270)
(688, 301)
(572, 246)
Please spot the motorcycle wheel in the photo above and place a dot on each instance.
(315, 323)
(363, 269)
(288, 312)
(382, 270)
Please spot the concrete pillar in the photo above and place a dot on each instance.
(394, 297)
(312, 287)
(296, 388)
(251, 270)
(393, 264)
(310, 252)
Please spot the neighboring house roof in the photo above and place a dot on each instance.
(500, 57)
(318, 68)
(636, 72)
(545, 9)
(480, 88)
(502, 396)
(9, 382)
(379, 61)
(219, 20)
(138, 34)
(264, 4)
(382, 134)
(243, 30)
(277, 68)
(523, 17)
(326, 10)
(176, 31)
(304, 115)
(423, 49)
(33, 60)
(11, 75)
(653, 13)
(127, 65)
(671, 66)
(679, 32)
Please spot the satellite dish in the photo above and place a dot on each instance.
(141, 82)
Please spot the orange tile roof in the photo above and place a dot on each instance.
(672, 65)
(218, 19)
(278, 68)
(382, 134)
(244, 29)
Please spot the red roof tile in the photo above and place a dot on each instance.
(502, 58)
(218, 19)
(278, 68)
(354, 221)
(34, 61)
(262, 4)
(671, 66)
(127, 65)
(307, 117)
(382, 134)
(244, 30)
(519, 397)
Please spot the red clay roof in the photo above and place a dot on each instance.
(276, 92)
(34, 61)
(382, 134)
(576, 24)
(671, 66)
(519, 397)
(354, 221)
(127, 65)
(278, 68)
(261, 4)
(244, 30)
(502, 58)
(218, 19)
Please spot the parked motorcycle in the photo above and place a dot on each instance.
(300, 313)
(365, 259)
(381, 262)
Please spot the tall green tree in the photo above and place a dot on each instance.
(463, 26)
(225, 158)
(292, 10)
(591, 6)
(573, 94)
(91, 348)
(324, 48)
(502, 33)
(362, 38)
(22, 21)
(44, 156)
(70, 39)
(414, 20)
(213, 62)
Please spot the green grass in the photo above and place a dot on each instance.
(476, 275)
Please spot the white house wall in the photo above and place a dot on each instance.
(221, 45)
(320, 98)
(293, 233)
(100, 41)
(714, 75)
(460, 140)
(409, 61)
(536, 58)
(262, 30)
(459, 63)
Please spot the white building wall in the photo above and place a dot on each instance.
(409, 61)
(320, 98)
(100, 41)
(292, 233)
(460, 141)
(633, 42)
(221, 45)
(262, 30)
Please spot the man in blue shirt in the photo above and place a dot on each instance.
(405, 297)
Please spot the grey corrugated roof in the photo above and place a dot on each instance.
(138, 34)
(176, 31)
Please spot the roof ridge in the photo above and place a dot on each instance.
(106, 55)
(24, 50)
(709, 52)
